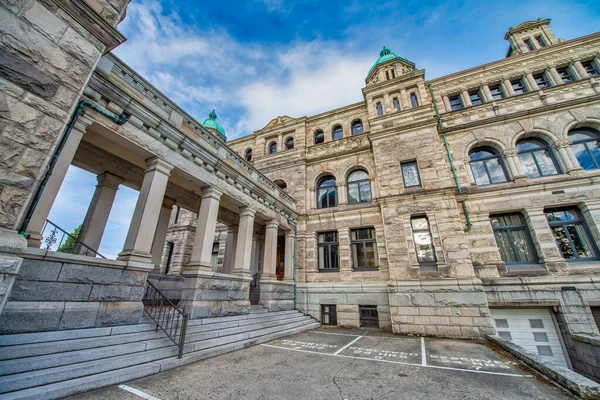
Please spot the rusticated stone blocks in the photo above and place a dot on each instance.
(277, 295)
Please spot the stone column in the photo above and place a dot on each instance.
(230, 248)
(487, 94)
(543, 239)
(447, 105)
(254, 255)
(578, 67)
(342, 194)
(404, 101)
(565, 152)
(147, 210)
(387, 106)
(98, 212)
(269, 268)
(513, 164)
(289, 256)
(531, 83)
(243, 248)
(206, 225)
(555, 76)
(158, 244)
(44, 205)
(466, 99)
(508, 87)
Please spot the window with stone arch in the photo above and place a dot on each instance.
(327, 192)
(414, 101)
(359, 187)
(289, 143)
(281, 184)
(337, 132)
(248, 154)
(487, 166)
(536, 158)
(273, 148)
(586, 147)
(319, 136)
(357, 127)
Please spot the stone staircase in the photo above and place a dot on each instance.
(51, 365)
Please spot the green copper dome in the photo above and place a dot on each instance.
(385, 55)
(211, 122)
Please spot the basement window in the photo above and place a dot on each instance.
(369, 317)
(328, 314)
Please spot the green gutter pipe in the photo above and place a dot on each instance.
(295, 233)
(79, 110)
(452, 167)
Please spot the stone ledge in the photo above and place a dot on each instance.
(578, 384)
(593, 340)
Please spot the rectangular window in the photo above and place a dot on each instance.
(328, 314)
(328, 251)
(518, 86)
(214, 257)
(497, 93)
(565, 74)
(387, 75)
(475, 96)
(540, 40)
(528, 44)
(455, 102)
(369, 317)
(512, 238)
(170, 249)
(423, 240)
(177, 215)
(364, 248)
(571, 234)
(590, 68)
(541, 81)
(410, 174)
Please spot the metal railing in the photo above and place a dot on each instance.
(254, 282)
(68, 243)
(170, 319)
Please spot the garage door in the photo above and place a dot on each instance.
(531, 328)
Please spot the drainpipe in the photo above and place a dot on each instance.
(452, 167)
(289, 220)
(79, 110)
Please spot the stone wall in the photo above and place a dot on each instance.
(584, 351)
(57, 291)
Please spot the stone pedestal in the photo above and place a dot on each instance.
(11, 244)
(210, 294)
(277, 295)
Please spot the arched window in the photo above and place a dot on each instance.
(586, 146)
(327, 192)
(319, 137)
(359, 187)
(289, 143)
(536, 158)
(337, 133)
(357, 127)
(248, 154)
(379, 108)
(281, 184)
(413, 100)
(487, 166)
(273, 148)
(396, 103)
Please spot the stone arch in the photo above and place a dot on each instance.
(593, 123)
(353, 167)
(544, 135)
(321, 174)
(484, 142)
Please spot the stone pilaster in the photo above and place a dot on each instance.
(147, 211)
(270, 259)
(230, 243)
(206, 225)
(289, 256)
(563, 147)
(513, 164)
(243, 248)
(97, 215)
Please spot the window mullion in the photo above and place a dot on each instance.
(537, 164)
(512, 244)
(568, 235)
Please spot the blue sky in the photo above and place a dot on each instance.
(254, 60)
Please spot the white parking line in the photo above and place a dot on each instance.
(399, 362)
(367, 336)
(423, 353)
(138, 393)
(346, 346)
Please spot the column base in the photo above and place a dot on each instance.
(198, 266)
(276, 295)
(209, 294)
(34, 240)
(135, 255)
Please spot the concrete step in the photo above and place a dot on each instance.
(257, 309)
(223, 325)
(98, 380)
(215, 320)
(37, 349)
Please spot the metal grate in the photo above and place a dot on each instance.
(170, 319)
(369, 317)
(328, 314)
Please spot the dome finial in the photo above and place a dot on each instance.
(384, 52)
(212, 115)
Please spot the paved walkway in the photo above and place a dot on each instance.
(331, 363)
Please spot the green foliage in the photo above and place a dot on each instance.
(69, 245)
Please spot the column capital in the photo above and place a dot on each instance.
(289, 234)
(110, 180)
(158, 164)
(510, 153)
(272, 224)
(247, 212)
(562, 143)
(211, 192)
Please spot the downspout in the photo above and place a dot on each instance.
(295, 233)
(452, 167)
(79, 110)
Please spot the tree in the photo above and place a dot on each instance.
(69, 245)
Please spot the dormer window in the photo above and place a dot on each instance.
(528, 44)
(540, 40)
(248, 154)
(289, 143)
(379, 109)
(387, 75)
(396, 103)
(273, 148)
(413, 100)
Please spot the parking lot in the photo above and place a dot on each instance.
(330, 363)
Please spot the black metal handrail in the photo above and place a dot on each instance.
(68, 243)
(254, 282)
(170, 319)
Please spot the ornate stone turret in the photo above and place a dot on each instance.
(530, 36)
(388, 66)
(212, 124)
